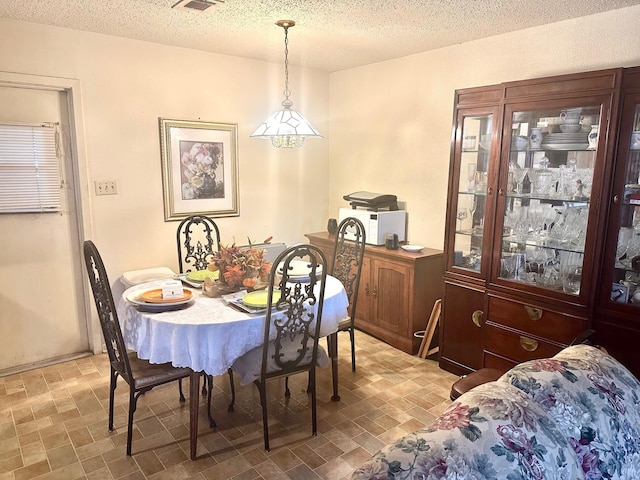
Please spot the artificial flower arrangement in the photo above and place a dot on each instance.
(240, 266)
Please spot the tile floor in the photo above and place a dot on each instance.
(53, 422)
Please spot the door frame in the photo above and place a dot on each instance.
(72, 90)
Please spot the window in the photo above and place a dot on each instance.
(29, 169)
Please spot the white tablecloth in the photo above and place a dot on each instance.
(208, 335)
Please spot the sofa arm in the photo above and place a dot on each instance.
(494, 431)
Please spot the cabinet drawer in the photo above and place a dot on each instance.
(519, 348)
(534, 320)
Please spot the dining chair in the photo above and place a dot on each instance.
(291, 329)
(348, 254)
(140, 375)
(198, 239)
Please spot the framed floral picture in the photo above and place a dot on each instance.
(199, 168)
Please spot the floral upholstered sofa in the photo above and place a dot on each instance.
(573, 416)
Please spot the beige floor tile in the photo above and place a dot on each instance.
(53, 422)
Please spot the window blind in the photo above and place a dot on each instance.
(29, 169)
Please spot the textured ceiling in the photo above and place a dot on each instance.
(330, 35)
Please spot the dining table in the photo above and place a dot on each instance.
(207, 334)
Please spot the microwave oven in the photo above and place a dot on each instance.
(377, 225)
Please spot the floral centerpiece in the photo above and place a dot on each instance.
(241, 266)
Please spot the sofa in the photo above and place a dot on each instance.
(573, 416)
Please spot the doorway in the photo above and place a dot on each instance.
(43, 305)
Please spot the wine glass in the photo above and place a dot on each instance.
(472, 211)
(461, 215)
(518, 176)
(471, 177)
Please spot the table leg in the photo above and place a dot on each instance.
(194, 400)
(333, 353)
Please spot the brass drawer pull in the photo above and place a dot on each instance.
(533, 313)
(528, 344)
(476, 318)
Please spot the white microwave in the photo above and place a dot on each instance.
(377, 224)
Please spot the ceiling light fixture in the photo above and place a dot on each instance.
(286, 128)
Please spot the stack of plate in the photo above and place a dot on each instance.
(153, 301)
(566, 141)
(299, 270)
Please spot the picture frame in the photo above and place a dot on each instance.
(619, 293)
(199, 168)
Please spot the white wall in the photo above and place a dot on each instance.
(127, 85)
(391, 122)
(389, 129)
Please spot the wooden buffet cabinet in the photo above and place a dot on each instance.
(397, 290)
(543, 220)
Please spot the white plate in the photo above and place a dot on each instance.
(565, 146)
(412, 248)
(299, 270)
(135, 299)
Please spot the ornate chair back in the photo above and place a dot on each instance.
(348, 253)
(198, 238)
(106, 311)
(292, 329)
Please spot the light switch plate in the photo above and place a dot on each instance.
(106, 187)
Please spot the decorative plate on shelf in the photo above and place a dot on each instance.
(412, 248)
(565, 146)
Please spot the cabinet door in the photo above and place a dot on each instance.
(552, 172)
(621, 290)
(390, 296)
(461, 329)
(472, 169)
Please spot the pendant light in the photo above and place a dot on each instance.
(286, 128)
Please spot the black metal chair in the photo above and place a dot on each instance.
(292, 329)
(198, 239)
(141, 375)
(348, 253)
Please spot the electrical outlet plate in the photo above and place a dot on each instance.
(106, 187)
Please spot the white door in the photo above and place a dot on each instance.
(42, 315)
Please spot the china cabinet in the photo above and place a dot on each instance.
(617, 318)
(529, 178)
(397, 291)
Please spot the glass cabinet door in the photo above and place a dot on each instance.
(549, 161)
(471, 200)
(625, 288)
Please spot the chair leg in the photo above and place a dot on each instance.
(182, 399)
(209, 388)
(233, 391)
(263, 403)
(113, 383)
(204, 384)
(353, 348)
(287, 393)
(133, 400)
(314, 418)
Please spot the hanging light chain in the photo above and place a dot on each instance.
(286, 92)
